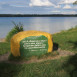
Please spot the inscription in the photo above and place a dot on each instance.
(34, 44)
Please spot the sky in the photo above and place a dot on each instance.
(37, 7)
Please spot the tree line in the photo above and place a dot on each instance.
(38, 15)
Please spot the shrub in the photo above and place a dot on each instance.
(17, 28)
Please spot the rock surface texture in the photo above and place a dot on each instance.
(31, 43)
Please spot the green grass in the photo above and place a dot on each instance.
(20, 58)
(64, 67)
(4, 48)
(67, 40)
(17, 28)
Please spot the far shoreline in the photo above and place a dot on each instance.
(38, 15)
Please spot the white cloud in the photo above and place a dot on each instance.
(67, 7)
(56, 11)
(41, 3)
(47, 8)
(58, 6)
(69, 12)
(67, 1)
(19, 13)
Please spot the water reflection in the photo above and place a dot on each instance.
(51, 24)
(47, 24)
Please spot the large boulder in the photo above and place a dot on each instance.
(31, 43)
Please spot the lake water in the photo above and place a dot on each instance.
(47, 24)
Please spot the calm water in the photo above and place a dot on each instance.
(47, 24)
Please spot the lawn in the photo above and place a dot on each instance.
(67, 40)
(4, 47)
(63, 67)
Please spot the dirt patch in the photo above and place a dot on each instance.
(4, 57)
(65, 53)
(2, 39)
(62, 53)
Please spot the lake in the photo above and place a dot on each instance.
(47, 24)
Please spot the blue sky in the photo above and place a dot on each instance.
(37, 7)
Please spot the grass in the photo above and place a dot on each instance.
(67, 40)
(17, 28)
(51, 68)
(4, 48)
(63, 67)
(53, 54)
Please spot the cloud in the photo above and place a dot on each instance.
(41, 3)
(67, 7)
(0, 7)
(19, 13)
(40, 6)
(69, 12)
(18, 6)
(58, 6)
(56, 11)
(75, 7)
(15, 3)
(67, 1)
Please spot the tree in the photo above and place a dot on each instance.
(75, 2)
